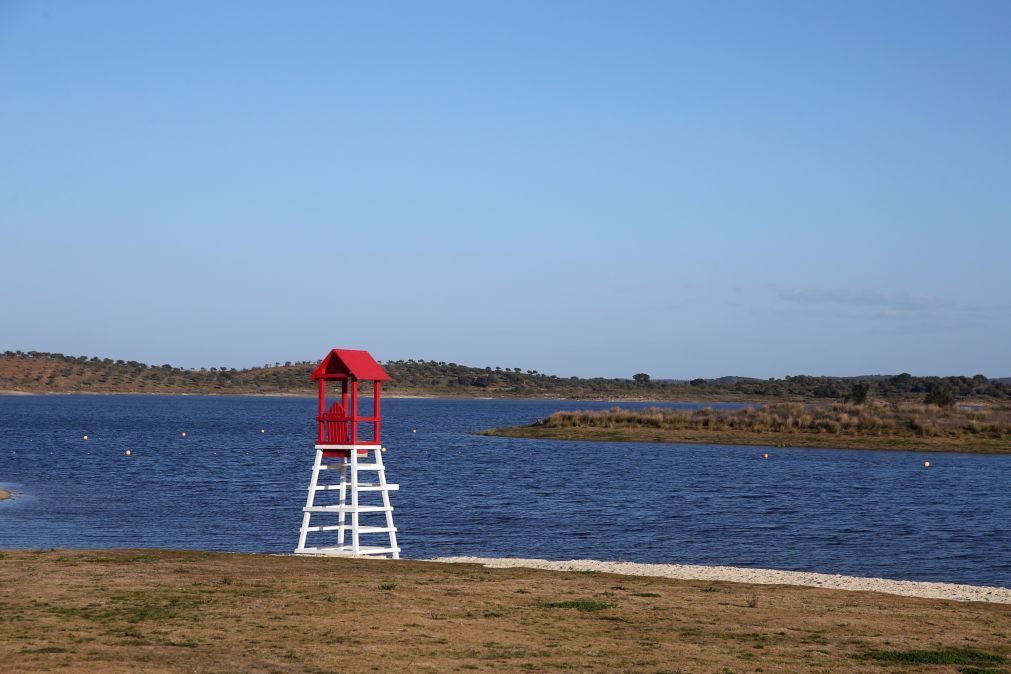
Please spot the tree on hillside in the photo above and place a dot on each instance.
(640, 378)
(940, 395)
(860, 392)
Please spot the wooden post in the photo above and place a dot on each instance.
(376, 425)
(354, 489)
(322, 408)
(354, 412)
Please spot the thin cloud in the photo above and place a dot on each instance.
(907, 312)
(895, 304)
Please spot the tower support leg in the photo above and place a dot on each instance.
(309, 499)
(386, 502)
(342, 516)
(354, 502)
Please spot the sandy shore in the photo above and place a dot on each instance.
(4, 495)
(731, 574)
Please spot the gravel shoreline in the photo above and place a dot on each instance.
(732, 574)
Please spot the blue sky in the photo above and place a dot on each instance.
(685, 189)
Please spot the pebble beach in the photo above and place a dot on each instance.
(731, 574)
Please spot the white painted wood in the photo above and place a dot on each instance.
(362, 486)
(343, 487)
(369, 446)
(363, 551)
(349, 489)
(354, 501)
(309, 500)
(361, 529)
(347, 509)
(386, 504)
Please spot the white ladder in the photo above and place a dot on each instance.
(349, 486)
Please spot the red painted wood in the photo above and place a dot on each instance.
(350, 364)
(338, 424)
(376, 414)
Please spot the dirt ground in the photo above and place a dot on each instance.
(147, 611)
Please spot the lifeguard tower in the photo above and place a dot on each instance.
(345, 440)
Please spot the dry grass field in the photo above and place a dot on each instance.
(884, 425)
(152, 611)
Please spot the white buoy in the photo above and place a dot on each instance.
(85, 437)
(926, 464)
(184, 434)
(127, 453)
(263, 430)
(413, 430)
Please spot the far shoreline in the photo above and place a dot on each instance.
(766, 441)
(389, 396)
(702, 402)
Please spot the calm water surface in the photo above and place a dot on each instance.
(227, 486)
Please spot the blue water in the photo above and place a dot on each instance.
(227, 486)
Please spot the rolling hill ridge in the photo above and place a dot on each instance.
(41, 372)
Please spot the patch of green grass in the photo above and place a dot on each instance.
(121, 560)
(133, 634)
(45, 649)
(711, 588)
(497, 651)
(133, 607)
(645, 594)
(580, 604)
(388, 586)
(941, 656)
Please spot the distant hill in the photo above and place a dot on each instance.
(40, 372)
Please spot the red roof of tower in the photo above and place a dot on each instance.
(350, 363)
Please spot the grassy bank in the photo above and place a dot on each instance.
(164, 611)
(895, 426)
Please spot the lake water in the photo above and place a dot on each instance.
(227, 486)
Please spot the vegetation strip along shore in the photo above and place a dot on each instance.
(878, 425)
